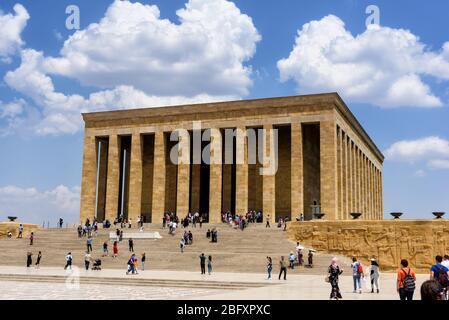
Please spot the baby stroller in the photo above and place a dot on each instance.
(96, 265)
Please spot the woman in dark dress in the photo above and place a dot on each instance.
(334, 273)
(29, 260)
(38, 261)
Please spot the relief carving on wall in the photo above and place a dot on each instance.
(418, 241)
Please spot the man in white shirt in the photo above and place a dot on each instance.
(446, 261)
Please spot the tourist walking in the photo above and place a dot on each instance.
(209, 265)
(203, 263)
(115, 249)
(357, 274)
(374, 275)
(89, 243)
(61, 222)
(310, 258)
(334, 272)
(31, 238)
(299, 249)
(267, 225)
(29, 259)
(20, 235)
(283, 268)
(182, 244)
(68, 261)
(269, 267)
(38, 260)
(131, 264)
(291, 259)
(142, 259)
(440, 273)
(131, 245)
(105, 249)
(87, 260)
(406, 280)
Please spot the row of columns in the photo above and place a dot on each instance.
(359, 181)
(349, 181)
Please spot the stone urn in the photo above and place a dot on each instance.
(438, 214)
(396, 215)
(12, 219)
(355, 215)
(318, 215)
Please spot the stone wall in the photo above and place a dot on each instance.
(13, 227)
(418, 241)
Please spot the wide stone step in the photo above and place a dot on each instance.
(136, 281)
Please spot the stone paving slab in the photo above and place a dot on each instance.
(300, 287)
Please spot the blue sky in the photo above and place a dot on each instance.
(394, 77)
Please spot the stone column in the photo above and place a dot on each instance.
(366, 181)
(215, 178)
(297, 184)
(359, 180)
(353, 194)
(370, 180)
(346, 176)
(373, 190)
(183, 180)
(328, 169)
(340, 191)
(135, 179)
(158, 202)
(362, 184)
(350, 177)
(376, 198)
(241, 175)
(88, 184)
(268, 176)
(381, 196)
(368, 187)
(113, 178)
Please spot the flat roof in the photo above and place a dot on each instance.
(238, 105)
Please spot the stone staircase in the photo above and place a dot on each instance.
(236, 250)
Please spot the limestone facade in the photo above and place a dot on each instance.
(325, 161)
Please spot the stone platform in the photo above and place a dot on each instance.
(13, 227)
(418, 241)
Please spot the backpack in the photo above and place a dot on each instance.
(442, 278)
(359, 268)
(409, 281)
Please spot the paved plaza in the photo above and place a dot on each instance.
(301, 287)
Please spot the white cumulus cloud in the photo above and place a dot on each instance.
(140, 60)
(11, 27)
(382, 66)
(132, 45)
(434, 151)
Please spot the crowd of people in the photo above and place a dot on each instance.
(436, 288)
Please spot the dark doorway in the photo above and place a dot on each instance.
(125, 156)
(204, 185)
